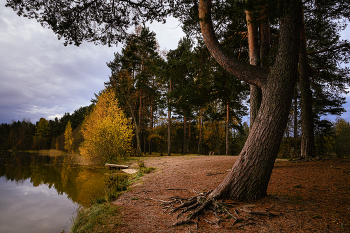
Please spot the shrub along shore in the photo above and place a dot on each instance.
(102, 215)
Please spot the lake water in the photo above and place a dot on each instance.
(41, 193)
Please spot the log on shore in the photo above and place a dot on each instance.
(116, 166)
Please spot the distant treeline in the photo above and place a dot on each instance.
(44, 134)
(50, 134)
(332, 138)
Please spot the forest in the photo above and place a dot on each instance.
(285, 57)
(182, 101)
(331, 137)
(280, 62)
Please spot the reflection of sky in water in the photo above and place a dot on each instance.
(23, 206)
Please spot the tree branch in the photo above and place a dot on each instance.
(331, 49)
(251, 74)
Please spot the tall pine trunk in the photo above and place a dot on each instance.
(250, 175)
(264, 38)
(137, 132)
(227, 131)
(189, 134)
(151, 128)
(200, 132)
(255, 91)
(169, 124)
(295, 121)
(185, 136)
(140, 121)
(307, 123)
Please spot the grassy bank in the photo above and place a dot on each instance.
(102, 215)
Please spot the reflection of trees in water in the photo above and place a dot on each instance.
(15, 167)
(90, 185)
(80, 183)
(66, 170)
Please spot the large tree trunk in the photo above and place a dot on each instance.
(250, 175)
(307, 122)
(255, 102)
(255, 91)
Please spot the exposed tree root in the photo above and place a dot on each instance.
(260, 213)
(201, 203)
(185, 221)
(238, 220)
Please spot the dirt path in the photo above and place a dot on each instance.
(309, 197)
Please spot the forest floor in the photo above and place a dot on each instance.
(302, 197)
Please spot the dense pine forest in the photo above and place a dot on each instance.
(331, 137)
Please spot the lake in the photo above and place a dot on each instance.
(41, 193)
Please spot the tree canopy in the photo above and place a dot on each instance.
(98, 21)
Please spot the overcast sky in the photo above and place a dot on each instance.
(42, 78)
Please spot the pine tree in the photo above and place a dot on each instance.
(133, 73)
(40, 137)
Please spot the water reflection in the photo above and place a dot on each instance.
(25, 208)
(41, 193)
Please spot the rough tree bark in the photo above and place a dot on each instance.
(307, 122)
(250, 175)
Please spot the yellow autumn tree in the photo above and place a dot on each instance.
(68, 138)
(107, 132)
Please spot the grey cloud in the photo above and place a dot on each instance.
(37, 70)
(39, 77)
